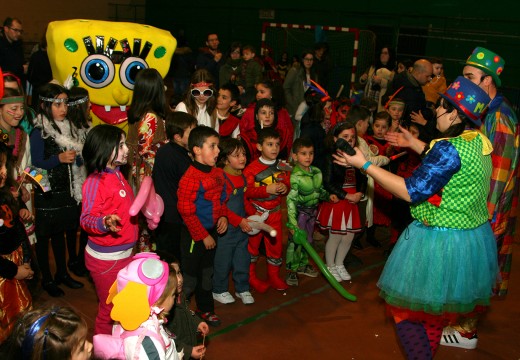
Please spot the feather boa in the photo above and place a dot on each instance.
(67, 142)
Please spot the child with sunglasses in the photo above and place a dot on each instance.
(199, 101)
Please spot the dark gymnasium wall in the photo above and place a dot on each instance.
(449, 29)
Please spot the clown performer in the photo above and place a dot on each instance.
(143, 295)
(483, 67)
(104, 58)
(444, 264)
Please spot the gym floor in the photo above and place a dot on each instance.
(313, 321)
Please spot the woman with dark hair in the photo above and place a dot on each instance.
(377, 77)
(230, 71)
(296, 81)
(444, 265)
(201, 99)
(146, 132)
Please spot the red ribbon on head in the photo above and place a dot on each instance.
(201, 84)
(2, 76)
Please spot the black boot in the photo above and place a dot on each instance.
(68, 281)
(371, 237)
(53, 289)
(78, 268)
(356, 243)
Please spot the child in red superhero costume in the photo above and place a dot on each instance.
(201, 194)
(267, 182)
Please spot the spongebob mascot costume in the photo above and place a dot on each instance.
(104, 58)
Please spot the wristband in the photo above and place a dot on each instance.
(365, 167)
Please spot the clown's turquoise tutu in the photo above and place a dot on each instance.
(452, 270)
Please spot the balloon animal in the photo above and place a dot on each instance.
(149, 202)
(300, 238)
(258, 223)
(104, 57)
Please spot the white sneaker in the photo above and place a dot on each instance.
(224, 298)
(451, 337)
(246, 297)
(343, 273)
(334, 271)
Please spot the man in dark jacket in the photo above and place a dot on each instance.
(408, 86)
(210, 57)
(11, 48)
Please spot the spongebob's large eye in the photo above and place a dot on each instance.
(129, 69)
(97, 71)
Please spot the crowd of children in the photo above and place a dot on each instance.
(205, 222)
(225, 154)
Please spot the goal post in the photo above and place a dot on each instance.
(295, 38)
